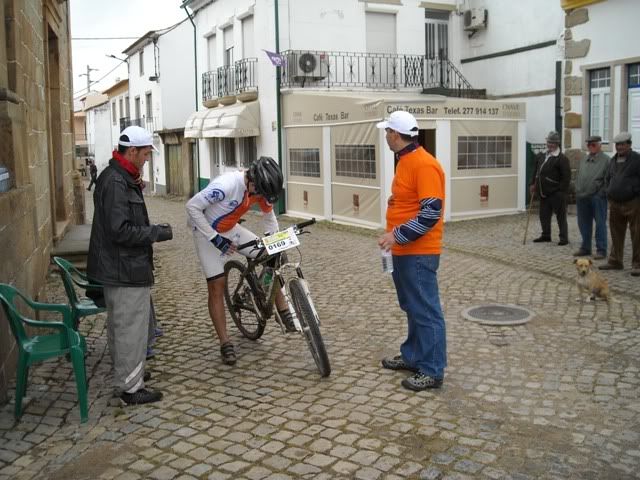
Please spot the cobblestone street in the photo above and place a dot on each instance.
(558, 397)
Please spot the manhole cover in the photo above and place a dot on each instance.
(495, 314)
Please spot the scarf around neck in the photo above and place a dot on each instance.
(129, 167)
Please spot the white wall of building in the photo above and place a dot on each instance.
(115, 126)
(609, 26)
(99, 134)
(176, 76)
(608, 22)
(140, 85)
(528, 76)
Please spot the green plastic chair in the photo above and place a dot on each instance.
(65, 340)
(81, 306)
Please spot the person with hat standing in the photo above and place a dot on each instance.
(623, 191)
(121, 259)
(414, 235)
(591, 199)
(551, 182)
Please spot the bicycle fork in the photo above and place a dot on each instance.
(307, 292)
(292, 310)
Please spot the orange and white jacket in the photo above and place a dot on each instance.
(218, 207)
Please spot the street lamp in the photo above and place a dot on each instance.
(124, 60)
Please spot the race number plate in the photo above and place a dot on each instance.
(281, 241)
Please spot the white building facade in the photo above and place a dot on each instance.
(515, 54)
(177, 175)
(144, 103)
(601, 84)
(99, 133)
(348, 65)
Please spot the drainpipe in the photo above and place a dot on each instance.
(281, 201)
(195, 78)
(558, 102)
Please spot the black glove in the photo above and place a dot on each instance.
(221, 243)
(164, 232)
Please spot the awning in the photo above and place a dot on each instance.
(238, 120)
(193, 127)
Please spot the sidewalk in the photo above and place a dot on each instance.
(555, 398)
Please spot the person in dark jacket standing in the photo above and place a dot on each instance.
(121, 259)
(551, 184)
(93, 173)
(591, 199)
(623, 191)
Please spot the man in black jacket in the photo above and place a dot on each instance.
(623, 191)
(121, 259)
(551, 184)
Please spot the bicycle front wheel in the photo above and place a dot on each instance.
(242, 302)
(309, 326)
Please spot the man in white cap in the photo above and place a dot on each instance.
(414, 235)
(591, 199)
(121, 259)
(623, 191)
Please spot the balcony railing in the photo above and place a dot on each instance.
(308, 68)
(144, 122)
(127, 122)
(230, 79)
(245, 75)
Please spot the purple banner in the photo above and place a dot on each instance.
(276, 59)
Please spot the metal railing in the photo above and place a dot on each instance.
(245, 73)
(305, 68)
(230, 79)
(127, 122)
(209, 86)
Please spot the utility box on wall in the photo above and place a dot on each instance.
(475, 19)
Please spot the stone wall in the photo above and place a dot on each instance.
(35, 93)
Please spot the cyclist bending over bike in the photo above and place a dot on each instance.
(213, 216)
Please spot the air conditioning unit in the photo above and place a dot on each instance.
(475, 19)
(304, 67)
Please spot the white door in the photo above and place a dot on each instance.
(436, 32)
(381, 49)
(224, 156)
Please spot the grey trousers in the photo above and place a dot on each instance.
(128, 311)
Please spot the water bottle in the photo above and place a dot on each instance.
(387, 261)
(267, 277)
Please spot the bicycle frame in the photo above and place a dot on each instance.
(268, 299)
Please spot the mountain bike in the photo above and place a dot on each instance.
(250, 291)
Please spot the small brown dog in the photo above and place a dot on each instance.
(590, 282)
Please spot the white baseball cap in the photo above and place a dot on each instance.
(135, 136)
(402, 122)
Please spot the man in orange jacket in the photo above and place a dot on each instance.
(414, 235)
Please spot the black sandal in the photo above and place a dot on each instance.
(228, 353)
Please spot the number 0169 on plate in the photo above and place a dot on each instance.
(281, 241)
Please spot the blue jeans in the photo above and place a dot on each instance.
(589, 209)
(417, 287)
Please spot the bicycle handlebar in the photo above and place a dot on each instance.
(297, 228)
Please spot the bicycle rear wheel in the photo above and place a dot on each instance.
(309, 326)
(242, 301)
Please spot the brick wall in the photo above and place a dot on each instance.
(35, 92)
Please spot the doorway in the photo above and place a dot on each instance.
(436, 30)
(54, 134)
(427, 138)
(173, 168)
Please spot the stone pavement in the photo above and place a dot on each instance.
(556, 398)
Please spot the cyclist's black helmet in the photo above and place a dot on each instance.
(267, 177)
